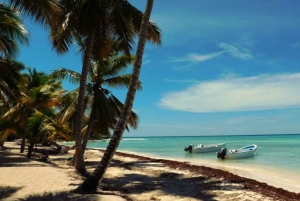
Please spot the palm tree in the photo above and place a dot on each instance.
(96, 22)
(43, 12)
(105, 108)
(10, 77)
(12, 31)
(40, 94)
(90, 183)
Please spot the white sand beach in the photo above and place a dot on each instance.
(129, 177)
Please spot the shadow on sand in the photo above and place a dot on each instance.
(169, 182)
(7, 191)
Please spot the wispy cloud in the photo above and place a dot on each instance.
(263, 92)
(296, 45)
(182, 81)
(252, 119)
(228, 48)
(235, 52)
(198, 57)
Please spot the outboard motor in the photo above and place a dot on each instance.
(189, 148)
(222, 153)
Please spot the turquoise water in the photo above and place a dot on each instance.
(276, 151)
(276, 162)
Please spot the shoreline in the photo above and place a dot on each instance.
(275, 177)
(251, 184)
(130, 177)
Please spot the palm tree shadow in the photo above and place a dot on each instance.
(9, 159)
(47, 197)
(63, 196)
(7, 191)
(173, 183)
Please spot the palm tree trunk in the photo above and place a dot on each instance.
(1, 145)
(90, 184)
(90, 123)
(79, 161)
(86, 137)
(23, 143)
(30, 147)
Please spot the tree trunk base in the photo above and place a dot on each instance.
(89, 186)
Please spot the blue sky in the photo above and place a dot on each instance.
(224, 68)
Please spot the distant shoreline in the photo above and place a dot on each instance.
(206, 135)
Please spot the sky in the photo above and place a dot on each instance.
(224, 68)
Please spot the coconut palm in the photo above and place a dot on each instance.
(12, 32)
(10, 77)
(105, 108)
(96, 22)
(40, 93)
(42, 12)
(90, 183)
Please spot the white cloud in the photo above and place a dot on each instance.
(198, 57)
(235, 52)
(263, 92)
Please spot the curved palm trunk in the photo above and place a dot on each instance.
(89, 128)
(90, 184)
(90, 123)
(79, 161)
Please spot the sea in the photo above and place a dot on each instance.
(276, 161)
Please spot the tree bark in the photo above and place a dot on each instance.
(90, 184)
(90, 124)
(23, 143)
(30, 147)
(79, 160)
(1, 145)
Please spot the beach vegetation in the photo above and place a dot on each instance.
(12, 32)
(102, 108)
(96, 23)
(39, 95)
(90, 184)
(43, 12)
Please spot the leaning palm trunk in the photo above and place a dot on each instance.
(79, 161)
(90, 124)
(89, 129)
(90, 184)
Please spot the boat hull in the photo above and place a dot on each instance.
(243, 152)
(209, 148)
(247, 154)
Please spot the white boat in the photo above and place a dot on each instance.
(200, 148)
(243, 152)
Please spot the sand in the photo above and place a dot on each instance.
(129, 177)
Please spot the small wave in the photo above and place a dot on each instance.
(133, 139)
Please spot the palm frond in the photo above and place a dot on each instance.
(43, 12)
(121, 81)
(62, 74)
